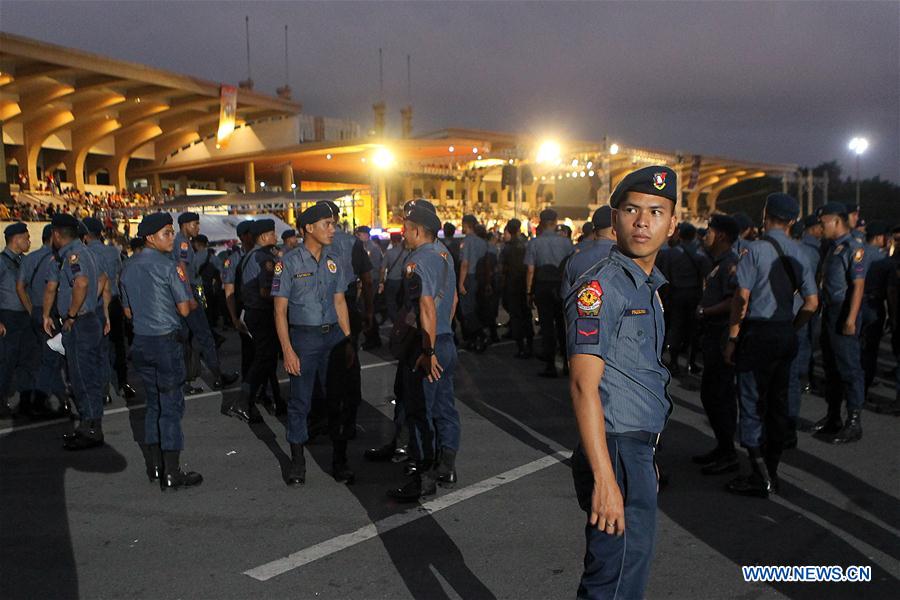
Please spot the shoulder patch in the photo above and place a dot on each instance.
(227, 263)
(587, 331)
(184, 245)
(73, 259)
(858, 255)
(744, 252)
(589, 299)
(332, 266)
(181, 274)
(279, 267)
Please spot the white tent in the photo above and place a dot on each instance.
(219, 228)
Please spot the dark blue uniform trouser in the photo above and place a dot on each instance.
(550, 313)
(799, 369)
(104, 367)
(82, 344)
(159, 361)
(313, 347)
(431, 407)
(763, 363)
(391, 297)
(468, 309)
(261, 324)
(12, 358)
(717, 392)
(49, 363)
(619, 566)
(202, 337)
(843, 367)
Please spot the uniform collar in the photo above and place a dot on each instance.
(70, 246)
(95, 243)
(810, 240)
(548, 232)
(11, 254)
(637, 274)
(777, 233)
(843, 239)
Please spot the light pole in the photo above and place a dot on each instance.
(858, 145)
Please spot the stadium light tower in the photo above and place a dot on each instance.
(858, 145)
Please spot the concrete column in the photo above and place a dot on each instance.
(155, 184)
(250, 177)
(382, 201)
(287, 179)
(220, 184)
(183, 184)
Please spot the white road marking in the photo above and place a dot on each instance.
(328, 547)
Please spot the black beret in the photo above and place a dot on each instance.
(782, 206)
(48, 231)
(513, 225)
(876, 228)
(743, 221)
(852, 207)
(93, 225)
(423, 203)
(602, 217)
(687, 229)
(726, 224)
(548, 214)
(832, 208)
(64, 220)
(262, 226)
(587, 228)
(810, 221)
(243, 228)
(424, 217)
(136, 242)
(202, 239)
(153, 222)
(317, 212)
(288, 233)
(655, 180)
(187, 217)
(15, 229)
(470, 219)
(363, 229)
(332, 208)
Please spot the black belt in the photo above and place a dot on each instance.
(650, 439)
(323, 329)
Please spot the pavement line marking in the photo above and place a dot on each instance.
(328, 547)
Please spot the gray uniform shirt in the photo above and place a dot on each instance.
(10, 263)
(109, 261)
(76, 261)
(152, 286)
(35, 271)
(310, 285)
(547, 250)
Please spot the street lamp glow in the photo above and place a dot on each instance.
(383, 158)
(262, 184)
(859, 144)
(614, 149)
(548, 152)
(293, 186)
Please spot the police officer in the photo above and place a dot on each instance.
(543, 257)
(110, 262)
(811, 244)
(312, 320)
(208, 273)
(183, 252)
(615, 334)
(231, 269)
(853, 222)
(427, 367)
(156, 297)
(256, 283)
(75, 287)
(717, 382)
(376, 258)
(46, 365)
(14, 322)
(392, 274)
(514, 295)
(289, 240)
(769, 273)
(471, 250)
(748, 232)
(593, 248)
(874, 297)
(686, 268)
(585, 240)
(843, 285)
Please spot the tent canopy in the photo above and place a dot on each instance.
(220, 228)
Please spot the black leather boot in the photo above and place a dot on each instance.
(381, 453)
(758, 484)
(446, 469)
(240, 408)
(422, 484)
(88, 435)
(339, 468)
(152, 460)
(852, 430)
(296, 474)
(173, 477)
(39, 409)
(830, 424)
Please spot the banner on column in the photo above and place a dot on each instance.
(227, 111)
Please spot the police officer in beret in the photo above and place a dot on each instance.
(717, 381)
(200, 333)
(392, 274)
(812, 245)
(853, 222)
(543, 257)
(762, 341)
(615, 331)
(110, 262)
(289, 240)
(513, 291)
(155, 298)
(471, 251)
(46, 365)
(843, 285)
(312, 321)
(875, 294)
(75, 288)
(593, 248)
(14, 321)
(256, 295)
(231, 273)
(429, 361)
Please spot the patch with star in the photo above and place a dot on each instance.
(589, 299)
(332, 266)
(659, 180)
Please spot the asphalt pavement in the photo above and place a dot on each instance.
(89, 525)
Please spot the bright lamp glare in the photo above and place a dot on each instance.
(614, 149)
(859, 144)
(383, 158)
(548, 152)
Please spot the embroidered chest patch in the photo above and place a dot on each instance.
(589, 299)
(410, 269)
